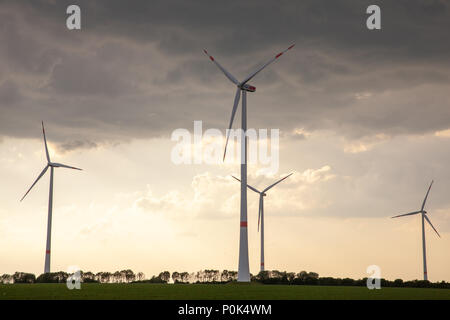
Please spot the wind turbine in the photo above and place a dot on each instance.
(424, 217)
(262, 194)
(50, 165)
(243, 268)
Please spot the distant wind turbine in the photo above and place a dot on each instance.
(50, 165)
(243, 86)
(262, 194)
(424, 217)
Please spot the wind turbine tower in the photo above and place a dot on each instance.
(262, 194)
(244, 87)
(424, 217)
(52, 166)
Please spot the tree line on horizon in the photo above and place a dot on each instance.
(213, 277)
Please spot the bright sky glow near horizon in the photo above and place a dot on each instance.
(364, 120)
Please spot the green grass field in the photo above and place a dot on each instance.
(210, 291)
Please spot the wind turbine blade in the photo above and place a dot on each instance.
(265, 65)
(407, 214)
(237, 97)
(65, 166)
(225, 72)
(45, 142)
(260, 209)
(273, 185)
(426, 196)
(248, 186)
(426, 218)
(40, 176)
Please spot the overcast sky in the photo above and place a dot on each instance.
(364, 118)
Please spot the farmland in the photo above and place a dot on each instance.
(92, 291)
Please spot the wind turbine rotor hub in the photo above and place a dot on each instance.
(248, 87)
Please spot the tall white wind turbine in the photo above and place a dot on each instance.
(262, 194)
(424, 217)
(243, 86)
(50, 165)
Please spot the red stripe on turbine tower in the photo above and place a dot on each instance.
(244, 224)
(47, 252)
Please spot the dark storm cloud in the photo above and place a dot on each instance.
(136, 69)
(84, 77)
(76, 144)
(9, 93)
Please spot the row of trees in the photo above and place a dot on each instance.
(312, 278)
(212, 276)
(124, 276)
(18, 277)
(203, 276)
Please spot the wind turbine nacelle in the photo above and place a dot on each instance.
(248, 87)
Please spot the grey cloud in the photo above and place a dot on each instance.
(137, 69)
(76, 144)
(9, 93)
(86, 77)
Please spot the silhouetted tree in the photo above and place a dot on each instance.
(302, 275)
(290, 276)
(103, 277)
(200, 276)
(23, 277)
(224, 276)
(129, 275)
(6, 278)
(116, 277)
(185, 276)
(263, 276)
(232, 275)
(140, 276)
(52, 277)
(164, 276)
(175, 277)
(87, 277)
(215, 275)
